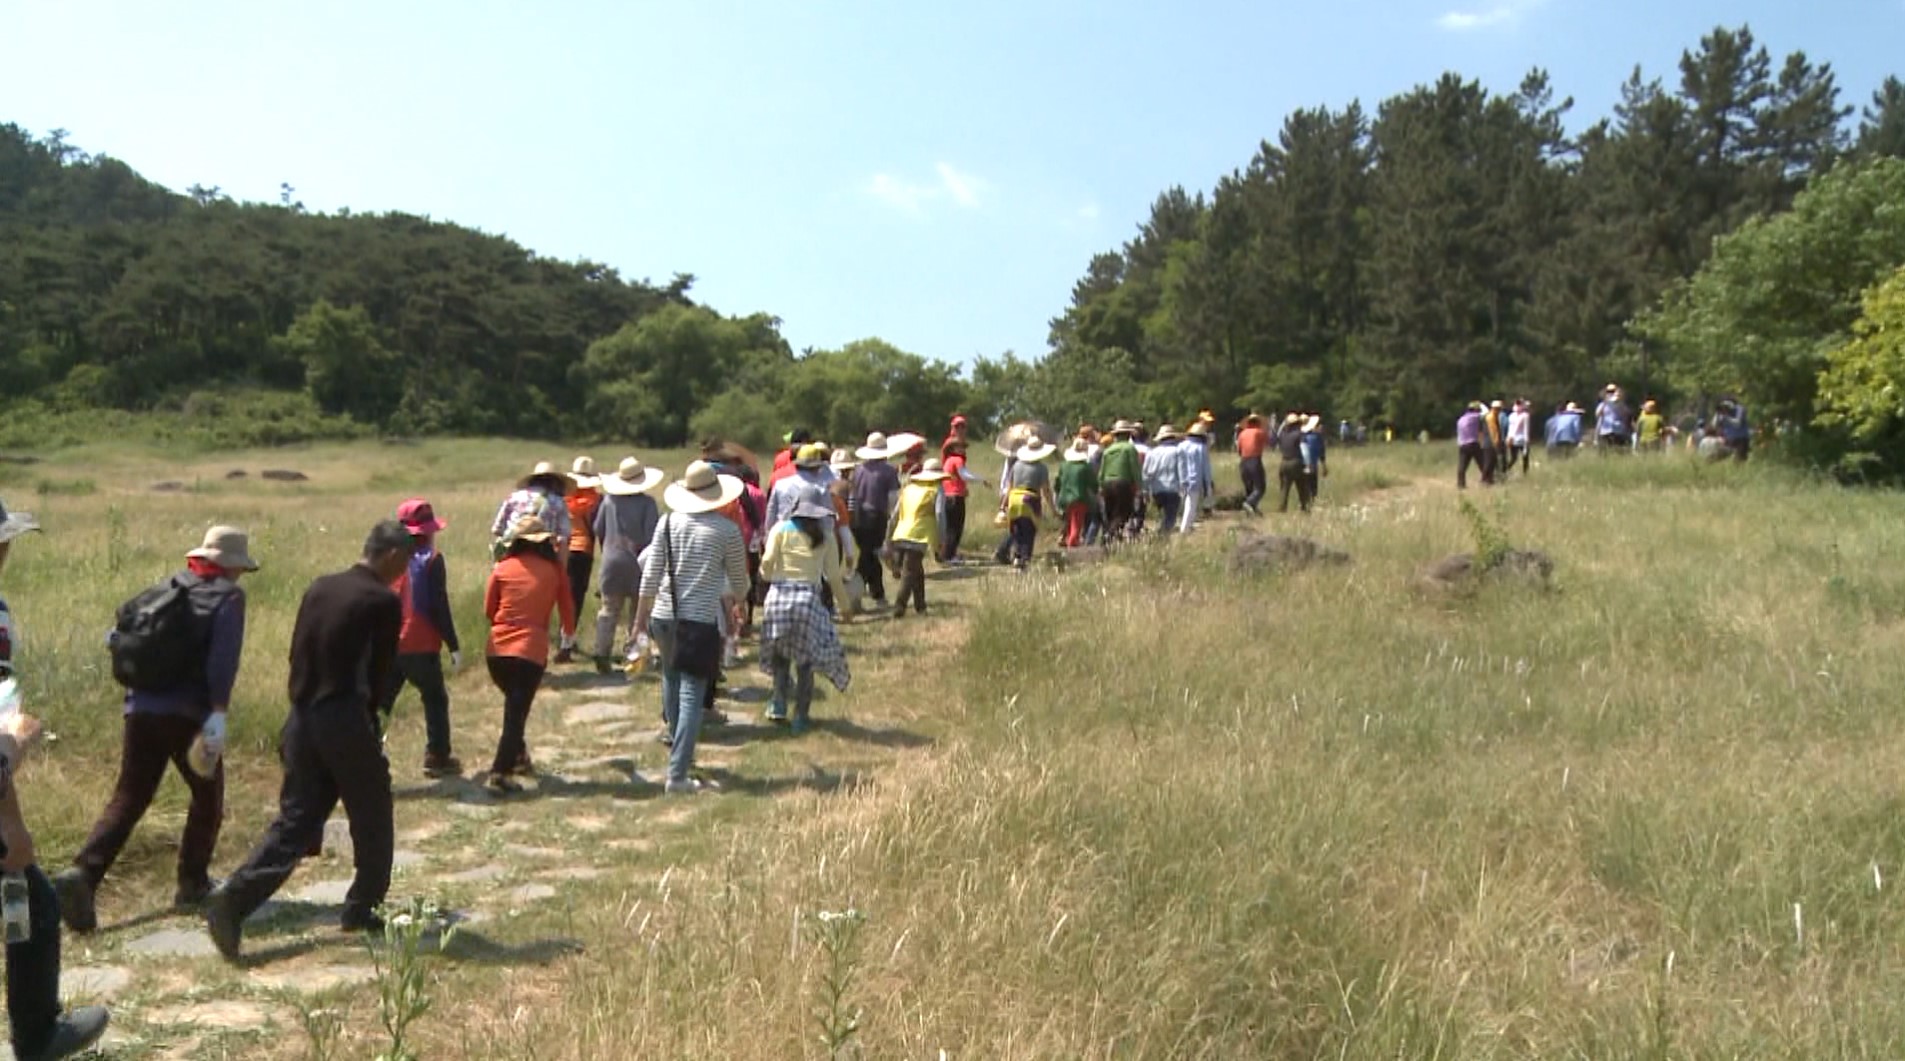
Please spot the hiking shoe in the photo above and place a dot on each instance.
(358, 920)
(799, 726)
(523, 767)
(224, 925)
(440, 764)
(74, 1033)
(775, 713)
(76, 900)
(192, 894)
(690, 786)
(566, 655)
(665, 736)
(603, 666)
(714, 716)
(500, 785)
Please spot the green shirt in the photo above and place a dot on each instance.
(1077, 483)
(1121, 463)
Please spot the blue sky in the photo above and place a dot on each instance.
(936, 174)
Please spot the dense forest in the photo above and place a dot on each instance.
(1726, 232)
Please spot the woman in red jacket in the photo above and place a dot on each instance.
(524, 587)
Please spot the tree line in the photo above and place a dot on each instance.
(1458, 243)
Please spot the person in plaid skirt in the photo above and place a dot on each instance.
(797, 632)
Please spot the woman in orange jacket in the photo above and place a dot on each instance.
(525, 586)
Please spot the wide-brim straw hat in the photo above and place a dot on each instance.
(842, 461)
(931, 472)
(1200, 429)
(527, 529)
(228, 547)
(1572, 408)
(546, 476)
(1123, 427)
(1167, 433)
(808, 508)
(582, 473)
(633, 477)
(1077, 452)
(1292, 419)
(701, 489)
(904, 442)
(14, 524)
(1035, 451)
(876, 449)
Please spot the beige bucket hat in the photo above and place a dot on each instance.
(228, 547)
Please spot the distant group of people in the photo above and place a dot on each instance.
(1494, 439)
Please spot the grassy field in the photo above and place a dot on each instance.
(1137, 808)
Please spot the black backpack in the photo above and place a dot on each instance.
(160, 637)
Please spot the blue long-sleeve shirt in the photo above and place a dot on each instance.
(195, 698)
(1565, 429)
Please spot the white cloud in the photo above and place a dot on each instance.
(1502, 14)
(963, 190)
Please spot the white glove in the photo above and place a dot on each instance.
(456, 661)
(214, 733)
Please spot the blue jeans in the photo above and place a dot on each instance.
(793, 681)
(1169, 503)
(681, 699)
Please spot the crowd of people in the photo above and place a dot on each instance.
(1494, 439)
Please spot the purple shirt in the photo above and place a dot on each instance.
(1468, 430)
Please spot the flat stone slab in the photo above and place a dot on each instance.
(601, 711)
(337, 839)
(324, 891)
(312, 979)
(532, 893)
(229, 1015)
(478, 875)
(97, 982)
(174, 943)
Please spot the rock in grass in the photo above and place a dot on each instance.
(284, 475)
(237, 473)
(1464, 571)
(170, 486)
(1263, 553)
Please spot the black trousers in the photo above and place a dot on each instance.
(1256, 482)
(330, 751)
(1289, 474)
(1472, 453)
(425, 671)
(1518, 454)
(33, 969)
(955, 528)
(518, 679)
(581, 566)
(870, 536)
(1121, 507)
(153, 742)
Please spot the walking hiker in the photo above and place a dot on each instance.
(1316, 467)
(1612, 428)
(343, 664)
(1734, 429)
(1196, 476)
(1163, 471)
(1468, 444)
(1518, 423)
(1290, 468)
(1077, 489)
(1120, 474)
(1564, 431)
(798, 635)
(41, 1030)
(177, 645)
(539, 494)
(428, 628)
(952, 499)
(808, 482)
(784, 460)
(876, 489)
(913, 534)
(693, 574)
(524, 588)
(1650, 428)
(584, 498)
(624, 525)
(1252, 441)
(1028, 497)
(1494, 443)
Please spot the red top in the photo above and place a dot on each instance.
(956, 484)
(783, 467)
(582, 504)
(523, 590)
(1252, 441)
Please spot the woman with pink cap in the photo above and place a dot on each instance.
(428, 628)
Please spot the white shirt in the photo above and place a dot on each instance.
(1518, 427)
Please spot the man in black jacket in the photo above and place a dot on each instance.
(343, 666)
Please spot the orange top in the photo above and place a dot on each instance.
(582, 505)
(522, 591)
(1252, 441)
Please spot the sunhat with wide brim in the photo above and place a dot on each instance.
(546, 476)
(1035, 451)
(1077, 453)
(14, 524)
(878, 448)
(632, 477)
(582, 473)
(842, 461)
(1292, 419)
(1200, 429)
(228, 547)
(904, 442)
(931, 472)
(701, 489)
(1167, 433)
(527, 529)
(808, 508)
(811, 456)
(419, 517)
(1123, 427)
(1572, 408)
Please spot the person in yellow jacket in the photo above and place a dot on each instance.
(913, 532)
(797, 634)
